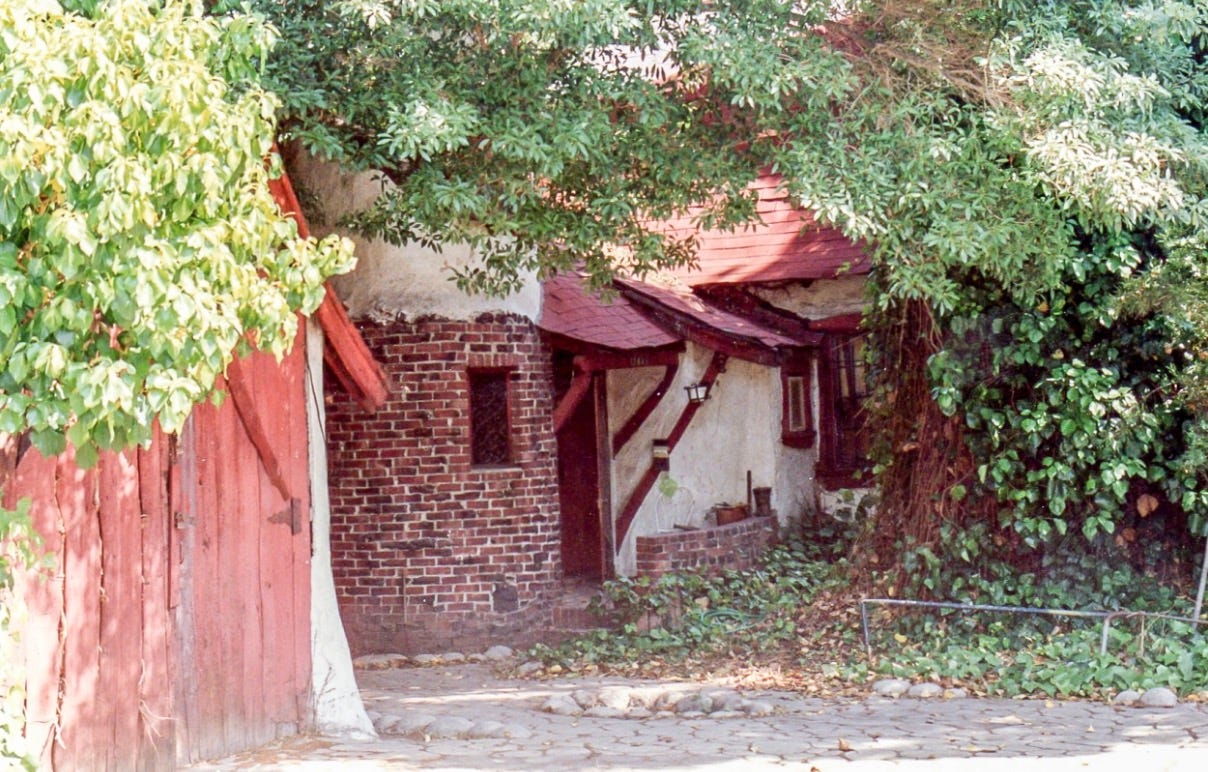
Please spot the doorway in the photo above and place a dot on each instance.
(581, 476)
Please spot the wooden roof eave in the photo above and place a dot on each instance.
(608, 357)
(347, 356)
(731, 344)
(344, 350)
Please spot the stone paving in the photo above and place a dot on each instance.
(465, 717)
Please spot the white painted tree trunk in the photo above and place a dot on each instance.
(338, 709)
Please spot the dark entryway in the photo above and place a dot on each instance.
(580, 484)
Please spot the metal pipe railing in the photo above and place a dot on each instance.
(1106, 616)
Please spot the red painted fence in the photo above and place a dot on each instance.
(173, 624)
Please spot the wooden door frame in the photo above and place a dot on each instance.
(608, 537)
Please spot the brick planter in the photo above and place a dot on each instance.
(734, 546)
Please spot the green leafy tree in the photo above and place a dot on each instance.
(140, 246)
(1059, 325)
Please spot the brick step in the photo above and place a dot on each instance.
(570, 612)
(575, 619)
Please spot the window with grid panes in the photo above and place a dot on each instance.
(490, 425)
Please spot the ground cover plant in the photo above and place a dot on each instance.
(793, 622)
(1011, 654)
(693, 615)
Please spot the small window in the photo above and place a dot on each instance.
(843, 389)
(797, 403)
(797, 417)
(490, 427)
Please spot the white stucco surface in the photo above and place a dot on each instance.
(819, 299)
(736, 430)
(390, 280)
(338, 709)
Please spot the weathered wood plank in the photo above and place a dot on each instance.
(43, 595)
(246, 646)
(210, 670)
(222, 603)
(120, 622)
(156, 740)
(86, 713)
(273, 399)
(294, 423)
(185, 505)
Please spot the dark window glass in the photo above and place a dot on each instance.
(490, 433)
(850, 390)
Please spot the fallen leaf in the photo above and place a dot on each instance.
(1146, 504)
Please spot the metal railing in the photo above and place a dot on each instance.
(1107, 616)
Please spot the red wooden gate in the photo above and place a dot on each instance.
(173, 624)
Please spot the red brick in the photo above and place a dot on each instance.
(434, 534)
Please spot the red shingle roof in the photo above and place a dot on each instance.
(786, 246)
(570, 310)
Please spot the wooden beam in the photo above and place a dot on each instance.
(580, 387)
(716, 366)
(609, 360)
(626, 432)
(347, 356)
(245, 406)
(344, 350)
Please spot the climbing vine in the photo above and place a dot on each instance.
(1031, 400)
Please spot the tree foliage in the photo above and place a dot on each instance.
(546, 133)
(1073, 377)
(1030, 177)
(139, 243)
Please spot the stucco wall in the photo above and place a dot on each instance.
(736, 430)
(819, 299)
(390, 280)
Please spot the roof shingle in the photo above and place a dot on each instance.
(570, 310)
(786, 245)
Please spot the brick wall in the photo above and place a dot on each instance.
(429, 552)
(737, 545)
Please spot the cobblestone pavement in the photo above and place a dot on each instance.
(801, 733)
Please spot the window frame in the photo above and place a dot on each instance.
(802, 436)
(505, 374)
(837, 467)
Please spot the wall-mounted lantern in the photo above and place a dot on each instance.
(697, 392)
(660, 453)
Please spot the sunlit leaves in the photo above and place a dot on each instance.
(139, 243)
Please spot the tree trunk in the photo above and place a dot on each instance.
(921, 451)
